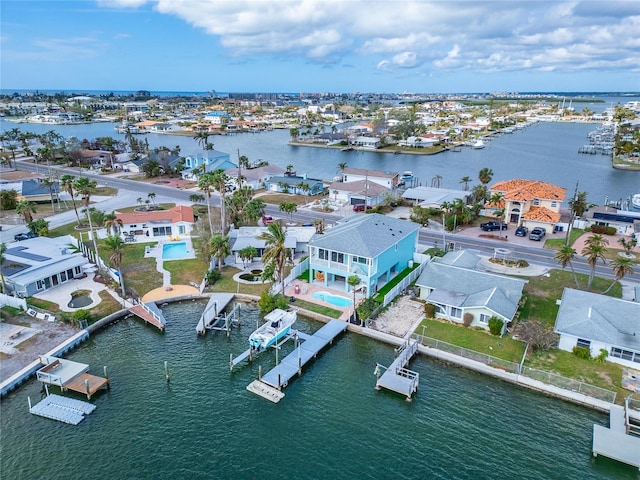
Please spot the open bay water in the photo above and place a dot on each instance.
(332, 423)
(544, 151)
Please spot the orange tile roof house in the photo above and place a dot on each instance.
(176, 221)
(530, 202)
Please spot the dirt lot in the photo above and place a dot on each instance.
(39, 337)
(401, 316)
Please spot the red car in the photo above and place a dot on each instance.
(360, 207)
(267, 219)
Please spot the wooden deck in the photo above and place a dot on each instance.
(146, 312)
(87, 384)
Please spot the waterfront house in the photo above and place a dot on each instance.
(374, 247)
(599, 322)
(32, 189)
(625, 222)
(296, 240)
(257, 177)
(289, 184)
(177, 221)
(358, 192)
(529, 203)
(386, 178)
(462, 294)
(210, 160)
(38, 264)
(430, 197)
(366, 142)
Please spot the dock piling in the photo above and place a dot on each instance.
(166, 371)
(259, 372)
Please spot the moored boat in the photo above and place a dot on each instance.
(635, 201)
(478, 145)
(277, 324)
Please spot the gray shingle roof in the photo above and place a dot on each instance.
(367, 235)
(472, 288)
(599, 318)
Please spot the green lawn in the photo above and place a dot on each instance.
(556, 243)
(140, 274)
(183, 272)
(477, 340)
(228, 284)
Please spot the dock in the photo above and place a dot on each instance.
(396, 377)
(62, 409)
(212, 317)
(621, 441)
(279, 376)
(150, 313)
(70, 375)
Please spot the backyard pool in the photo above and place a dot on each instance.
(79, 299)
(172, 251)
(336, 300)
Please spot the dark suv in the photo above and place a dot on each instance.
(537, 234)
(522, 231)
(24, 236)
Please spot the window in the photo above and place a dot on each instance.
(39, 285)
(337, 257)
(158, 231)
(77, 270)
(625, 354)
(456, 312)
(583, 343)
(362, 260)
(323, 254)
(484, 318)
(536, 202)
(554, 204)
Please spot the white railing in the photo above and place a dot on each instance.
(12, 301)
(404, 283)
(296, 271)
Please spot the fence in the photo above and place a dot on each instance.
(91, 256)
(296, 271)
(406, 281)
(570, 384)
(14, 302)
(494, 362)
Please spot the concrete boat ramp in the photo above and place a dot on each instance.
(270, 385)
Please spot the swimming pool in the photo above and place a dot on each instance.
(336, 300)
(172, 251)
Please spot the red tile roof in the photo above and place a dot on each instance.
(527, 190)
(541, 214)
(177, 214)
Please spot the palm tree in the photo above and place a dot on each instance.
(594, 250)
(26, 209)
(435, 181)
(152, 196)
(304, 188)
(220, 248)
(466, 180)
(3, 250)
(112, 223)
(276, 253)
(354, 281)
(289, 208)
(621, 267)
(115, 244)
(203, 139)
(564, 256)
(219, 181)
(485, 175)
(196, 198)
(341, 167)
(205, 183)
(87, 187)
(66, 182)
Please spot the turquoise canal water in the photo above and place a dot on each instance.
(332, 423)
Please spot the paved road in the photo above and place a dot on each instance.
(130, 190)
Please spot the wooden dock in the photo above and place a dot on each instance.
(279, 376)
(212, 317)
(150, 313)
(616, 442)
(396, 377)
(70, 375)
(62, 409)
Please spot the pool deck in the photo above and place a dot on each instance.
(306, 291)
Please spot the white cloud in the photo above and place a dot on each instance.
(389, 34)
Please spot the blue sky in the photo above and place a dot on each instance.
(320, 45)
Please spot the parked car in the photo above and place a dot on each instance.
(24, 236)
(491, 226)
(522, 231)
(360, 207)
(537, 234)
(267, 219)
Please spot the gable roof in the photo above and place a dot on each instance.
(471, 288)
(526, 190)
(460, 258)
(181, 213)
(369, 173)
(362, 187)
(596, 317)
(541, 214)
(366, 235)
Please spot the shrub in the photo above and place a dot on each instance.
(213, 276)
(366, 308)
(495, 325)
(269, 301)
(522, 264)
(81, 315)
(603, 230)
(430, 310)
(467, 319)
(602, 357)
(582, 352)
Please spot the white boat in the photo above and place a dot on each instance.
(407, 175)
(127, 128)
(277, 325)
(635, 201)
(478, 145)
